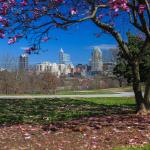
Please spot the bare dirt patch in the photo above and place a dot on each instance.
(88, 133)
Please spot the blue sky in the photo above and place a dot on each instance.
(77, 41)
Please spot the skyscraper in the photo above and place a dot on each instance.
(23, 62)
(64, 58)
(96, 60)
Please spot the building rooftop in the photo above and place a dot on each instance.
(61, 50)
(24, 55)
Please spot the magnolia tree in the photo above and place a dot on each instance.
(34, 20)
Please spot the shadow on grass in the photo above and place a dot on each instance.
(47, 111)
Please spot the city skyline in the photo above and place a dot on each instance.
(95, 66)
(68, 58)
(106, 56)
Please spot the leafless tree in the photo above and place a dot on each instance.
(49, 82)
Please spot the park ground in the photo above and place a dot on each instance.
(84, 92)
(96, 91)
(73, 124)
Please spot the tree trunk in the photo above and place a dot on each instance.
(142, 103)
(120, 82)
(147, 93)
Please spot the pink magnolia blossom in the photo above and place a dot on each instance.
(119, 5)
(73, 11)
(4, 21)
(100, 16)
(12, 40)
(24, 3)
(5, 6)
(141, 8)
(12, 2)
(39, 9)
(2, 34)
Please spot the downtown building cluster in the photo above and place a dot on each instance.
(96, 66)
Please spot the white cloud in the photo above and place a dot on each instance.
(105, 46)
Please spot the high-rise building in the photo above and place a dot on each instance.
(96, 60)
(64, 58)
(23, 62)
(61, 55)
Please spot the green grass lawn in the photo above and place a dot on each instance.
(43, 111)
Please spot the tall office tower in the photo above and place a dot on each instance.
(96, 60)
(64, 58)
(61, 55)
(23, 62)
